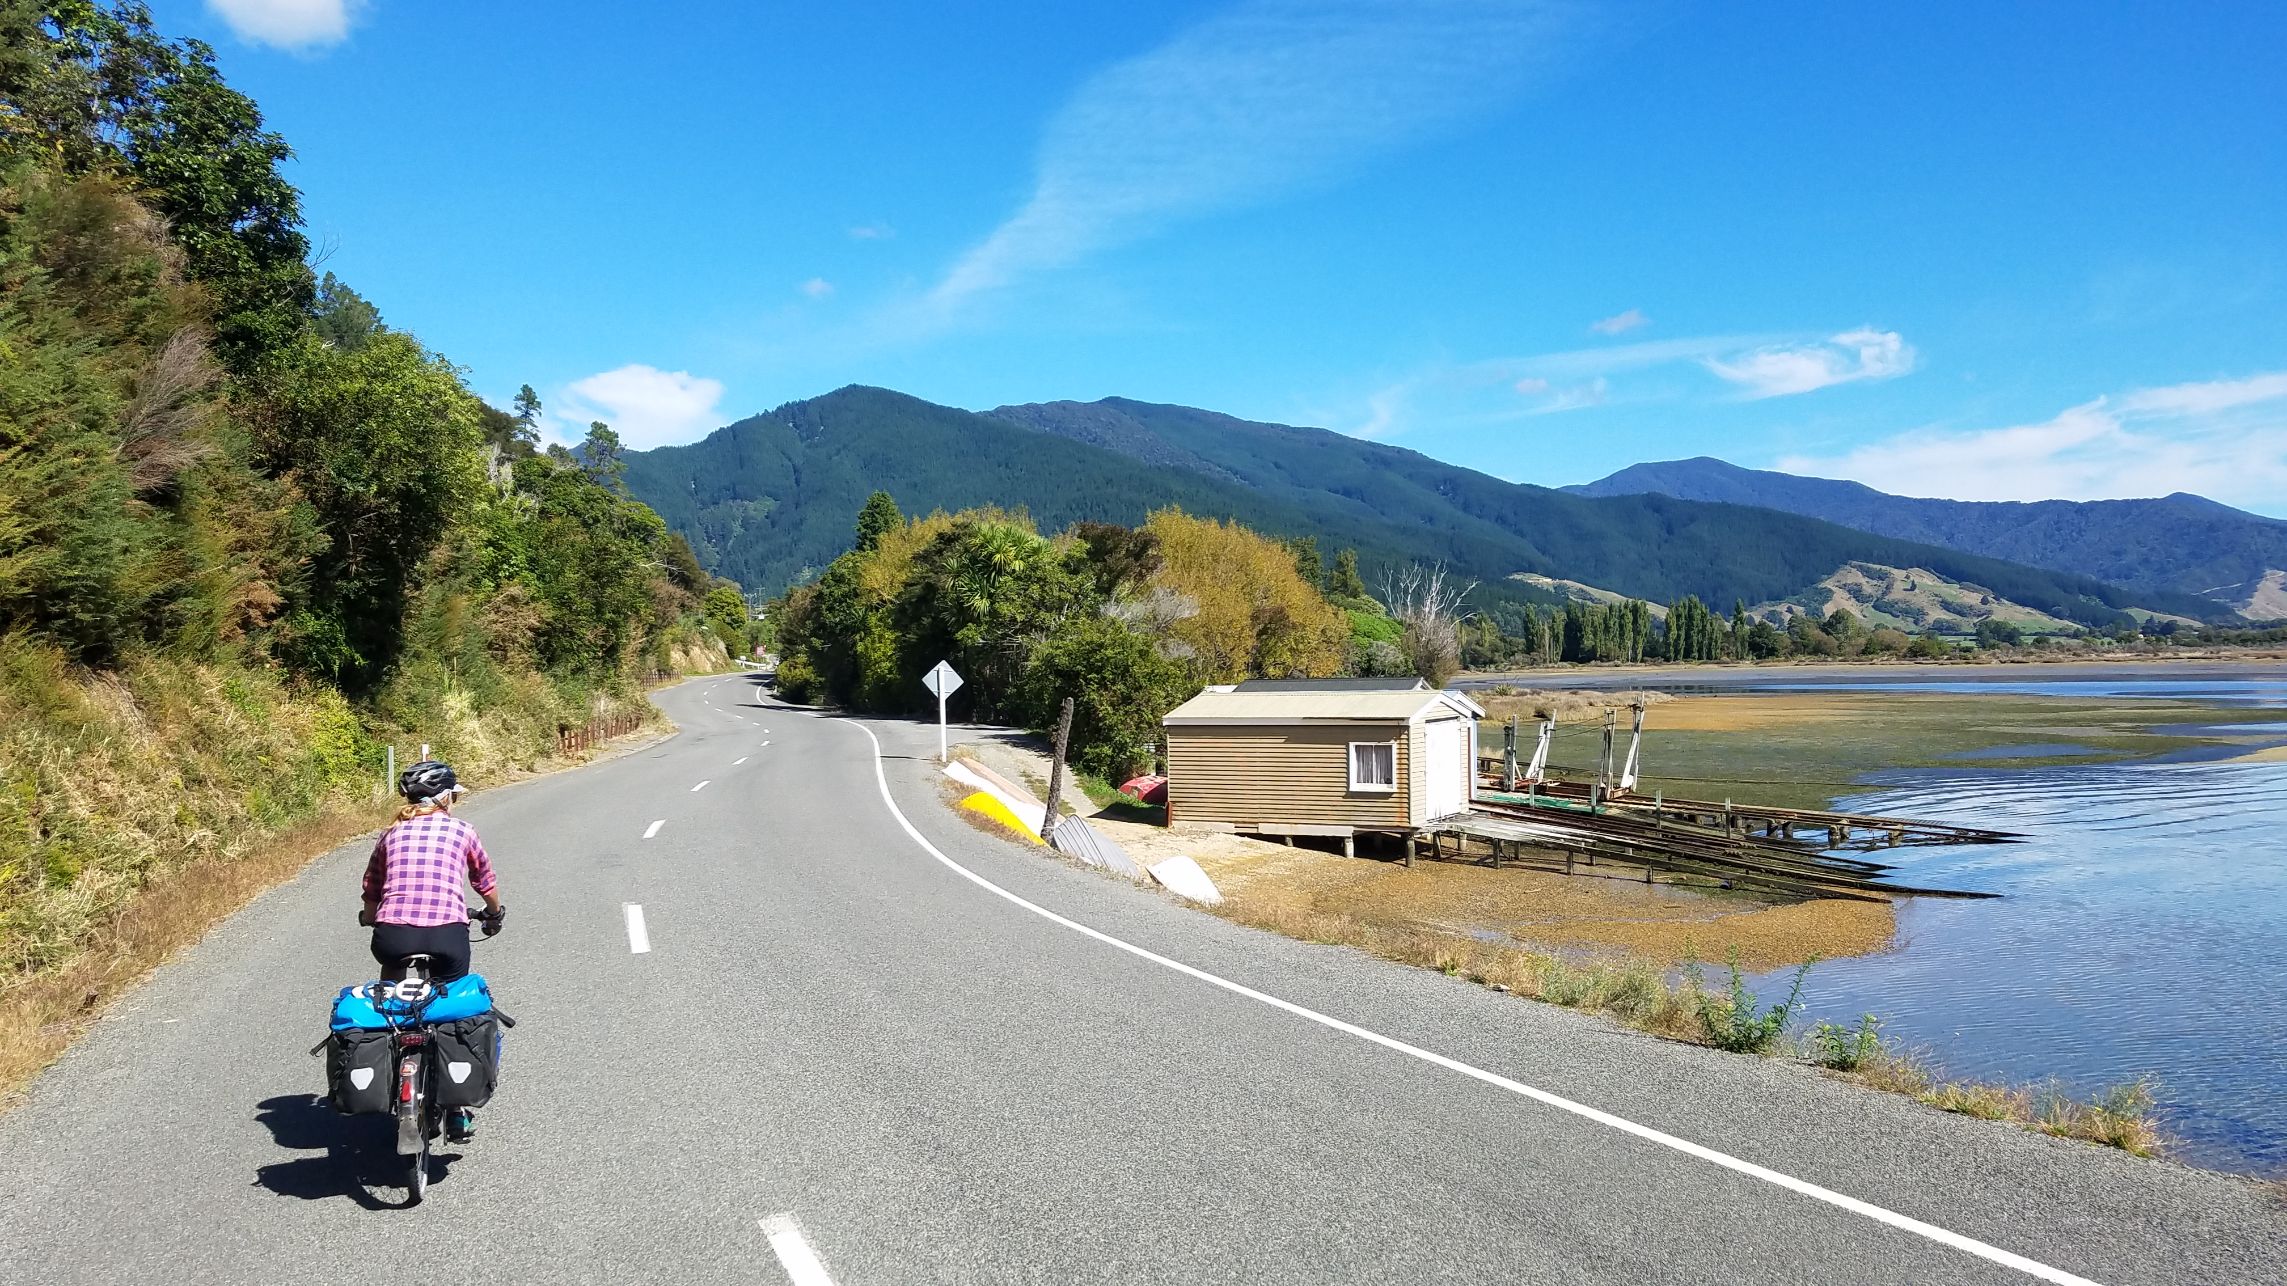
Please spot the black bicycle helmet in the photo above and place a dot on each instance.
(427, 780)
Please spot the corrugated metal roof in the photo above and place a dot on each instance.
(1407, 684)
(1306, 705)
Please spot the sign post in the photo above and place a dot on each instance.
(943, 682)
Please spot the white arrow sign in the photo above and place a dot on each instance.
(942, 681)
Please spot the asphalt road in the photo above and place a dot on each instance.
(852, 1053)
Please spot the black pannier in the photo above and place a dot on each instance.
(360, 1077)
(466, 1056)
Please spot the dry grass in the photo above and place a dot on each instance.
(1639, 993)
(2121, 1117)
(167, 802)
(42, 1013)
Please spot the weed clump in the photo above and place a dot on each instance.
(1847, 1049)
(1735, 1021)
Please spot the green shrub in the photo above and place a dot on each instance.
(1734, 1021)
(1847, 1049)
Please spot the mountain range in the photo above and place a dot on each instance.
(770, 499)
(2178, 543)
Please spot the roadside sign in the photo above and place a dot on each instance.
(942, 681)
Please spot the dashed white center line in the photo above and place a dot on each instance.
(653, 829)
(794, 1253)
(701, 786)
(740, 760)
(638, 937)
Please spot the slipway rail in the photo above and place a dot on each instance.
(1505, 826)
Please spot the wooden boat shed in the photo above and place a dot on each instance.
(1321, 757)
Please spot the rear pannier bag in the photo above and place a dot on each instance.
(360, 1076)
(466, 1056)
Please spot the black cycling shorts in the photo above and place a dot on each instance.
(446, 945)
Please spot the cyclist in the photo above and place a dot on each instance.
(413, 887)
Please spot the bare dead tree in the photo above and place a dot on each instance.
(1426, 603)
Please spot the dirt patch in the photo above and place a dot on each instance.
(1582, 913)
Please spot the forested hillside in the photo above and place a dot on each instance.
(2172, 544)
(1643, 546)
(250, 534)
(765, 501)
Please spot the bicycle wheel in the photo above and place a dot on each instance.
(417, 1173)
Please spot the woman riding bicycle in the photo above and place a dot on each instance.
(413, 882)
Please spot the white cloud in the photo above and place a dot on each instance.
(2226, 440)
(1782, 370)
(289, 24)
(817, 288)
(647, 406)
(872, 232)
(1576, 397)
(1259, 100)
(1621, 323)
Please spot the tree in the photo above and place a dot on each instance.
(726, 611)
(1120, 688)
(1254, 615)
(1344, 584)
(382, 444)
(600, 457)
(982, 594)
(1309, 563)
(527, 411)
(879, 517)
(1992, 632)
(344, 318)
(100, 91)
(1122, 558)
(1427, 606)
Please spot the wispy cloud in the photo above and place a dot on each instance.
(1500, 390)
(2226, 440)
(872, 232)
(1266, 97)
(289, 24)
(647, 406)
(1621, 323)
(1783, 370)
(816, 288)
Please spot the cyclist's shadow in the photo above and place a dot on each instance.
(354, 1154)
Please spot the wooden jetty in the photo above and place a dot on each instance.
(1798, 852)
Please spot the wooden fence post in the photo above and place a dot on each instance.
(1050, 816)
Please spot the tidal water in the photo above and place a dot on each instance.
(2141, 931)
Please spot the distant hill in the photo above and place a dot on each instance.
(1912, 599)
(772, 498)
(2179, 543)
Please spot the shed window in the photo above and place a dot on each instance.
(1374, 765)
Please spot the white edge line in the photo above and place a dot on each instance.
(740, 760)
(793, 1251)
(701, 786)
(653, 828)
(1880, 1214)
(638, 937)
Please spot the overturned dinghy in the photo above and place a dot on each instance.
(1076, 839)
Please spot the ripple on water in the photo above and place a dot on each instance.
(2138, 936)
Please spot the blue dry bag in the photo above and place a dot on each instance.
(373, 1004)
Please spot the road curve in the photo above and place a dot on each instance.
(853, 1052)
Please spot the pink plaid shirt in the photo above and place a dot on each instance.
(417, 867)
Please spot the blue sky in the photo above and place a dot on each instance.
(1994, 252)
